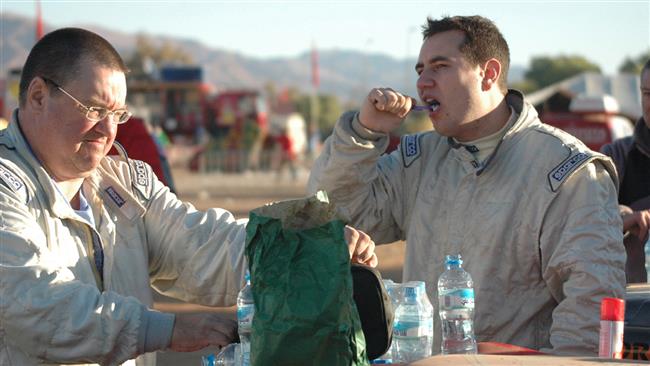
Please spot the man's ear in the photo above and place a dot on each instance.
(37, 93)
(491, 73)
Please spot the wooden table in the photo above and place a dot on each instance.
(501, 354)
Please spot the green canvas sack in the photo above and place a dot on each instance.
(302, 286)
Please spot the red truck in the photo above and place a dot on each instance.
(595, 120)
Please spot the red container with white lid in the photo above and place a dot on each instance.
(612, 316)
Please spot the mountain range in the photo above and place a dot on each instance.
(348, 74)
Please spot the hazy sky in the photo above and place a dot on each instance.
(603, 31)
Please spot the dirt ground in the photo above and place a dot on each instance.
(239, 193)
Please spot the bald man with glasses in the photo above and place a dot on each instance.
(84, 235)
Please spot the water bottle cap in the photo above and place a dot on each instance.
(247, 276)
(453, 260)
(410, 292)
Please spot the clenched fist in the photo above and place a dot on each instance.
(384, 109)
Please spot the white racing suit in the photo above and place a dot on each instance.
(54, 305)
(537, 223)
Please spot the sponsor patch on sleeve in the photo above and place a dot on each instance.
(12, 181)
(410, 149)
(141, 174)
(561, 172)
(141, 178)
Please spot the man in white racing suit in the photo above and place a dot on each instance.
(532, 211)
(83, 235)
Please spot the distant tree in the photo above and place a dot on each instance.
(147, 55)
(546, 70)
(168, 53)
(525, 86)
(270, 91)
(329, 111)
(634, 65)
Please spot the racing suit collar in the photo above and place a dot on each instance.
(464, 154)
(522, 115)
(60, 206)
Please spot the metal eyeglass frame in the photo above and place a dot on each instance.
(122, 115)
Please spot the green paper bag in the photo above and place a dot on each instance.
(302, 286)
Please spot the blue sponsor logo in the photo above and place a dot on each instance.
(411, 145)
(568, 166)
(112, 193)
(11, 179)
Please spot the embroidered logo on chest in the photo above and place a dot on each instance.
(112, 193)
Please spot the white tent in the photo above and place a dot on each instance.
(623, 87)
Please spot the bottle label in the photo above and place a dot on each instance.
(413, 329)
(457, 299)
(245, 316)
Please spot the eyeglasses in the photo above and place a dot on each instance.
(95, 114)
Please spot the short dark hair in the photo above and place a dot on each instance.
(483, 41)
(59, 55)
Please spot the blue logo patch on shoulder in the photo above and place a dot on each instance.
(561, 171)
(112, 193)
(10, 179)
(410, 146)
(564, 170)
(14, 182)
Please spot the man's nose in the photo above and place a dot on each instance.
(107, 124)
(424, 81)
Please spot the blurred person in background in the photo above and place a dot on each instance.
(140, 144)
(632, 158)
(531, 209)
(84, 235)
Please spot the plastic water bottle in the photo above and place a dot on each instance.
(424, 303)
(245, 313)
(228, 356)
(413, 329)
(456, 307)
(208, 360)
